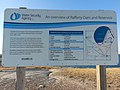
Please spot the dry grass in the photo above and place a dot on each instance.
(30, 67)
(6, 68)
(78, 73)
(88, 77)
(75, 79)
(113, 78)
(78, 78)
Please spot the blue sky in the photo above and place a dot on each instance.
(60, 4)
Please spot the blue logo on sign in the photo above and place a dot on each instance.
(15, 16)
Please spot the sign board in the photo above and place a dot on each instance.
(59, 37)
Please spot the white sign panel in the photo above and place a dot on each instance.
(59, 37)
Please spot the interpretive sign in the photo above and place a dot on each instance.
(59, 37)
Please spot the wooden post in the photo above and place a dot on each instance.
(101, 77)
(20, 73)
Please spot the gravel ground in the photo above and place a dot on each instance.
(41, 80)
(35, 80)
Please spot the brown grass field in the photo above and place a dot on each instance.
(72, 79)
(85, 79)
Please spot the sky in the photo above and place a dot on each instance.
(61, 5)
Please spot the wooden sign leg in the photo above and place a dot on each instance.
(20, 73)
(101, 77)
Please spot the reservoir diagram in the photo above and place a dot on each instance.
(98, 43)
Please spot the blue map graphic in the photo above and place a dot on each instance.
(98, 43)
